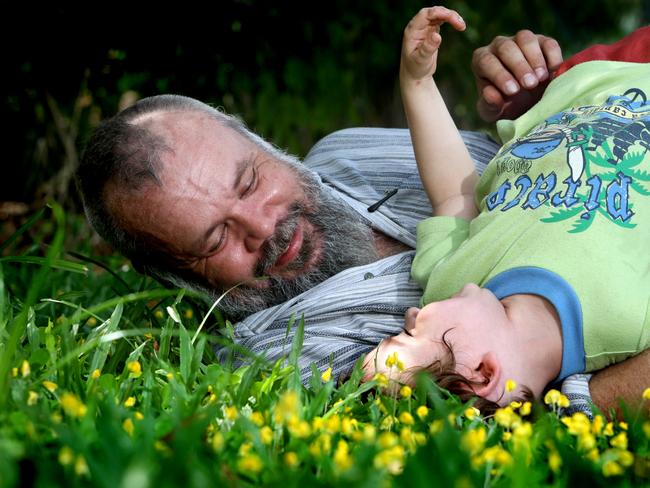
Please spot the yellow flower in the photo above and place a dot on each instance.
(381, 380)
(586, 442)
(400, 366)
(257, 418)
(556, 399)
(250, 463)
(230, 413)
(554, 461)
(327, 375)
(471, 413)
(422, 411)
(578, 424)
(321, 446)
(597, 424)
(593, 455)
(95, 374)
(129, 402)
(92, 321)
(473, 440)
(135, 369)
(349, 426)
(32, 398)
(158, 314)
(646, 429)
(342, 458)
(170, 376)
(80, 466)
(387, 439)
(189, 313)
(435, 427)
(66, 456)
(266, 434)
(217, 441)
(291, 459)
(406, 391)
(14, 372)
(506, 436)
(406, 418)
(391, 459)
(507, 418)
(72, 405)
(623, 425)
(138, 415)
(333, 424)
(370, 433)
(392, 359)
(127, 425)
(288, 405)
(388, 422)
(612, 468)
(525, 409)
(646, 394)
(609, 429)
(511, 385)
(25, 369)
(619, 441)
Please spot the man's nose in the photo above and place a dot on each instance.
(257, 223)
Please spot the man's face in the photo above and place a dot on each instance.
(231, 212)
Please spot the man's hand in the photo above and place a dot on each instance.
(623, 381)
(422, 40)
(511, 73)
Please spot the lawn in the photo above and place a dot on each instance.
(107, 379)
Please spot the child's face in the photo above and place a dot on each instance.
(469, 321)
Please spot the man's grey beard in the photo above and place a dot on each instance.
(346, 241)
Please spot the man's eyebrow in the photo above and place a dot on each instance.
(242, 166)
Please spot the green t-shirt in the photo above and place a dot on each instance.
(569, 193)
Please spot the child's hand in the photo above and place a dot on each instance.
(422, 40)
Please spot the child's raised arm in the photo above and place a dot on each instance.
(445, 167)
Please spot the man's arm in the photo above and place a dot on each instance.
(446, 169)
(623, 381)
(511, 73)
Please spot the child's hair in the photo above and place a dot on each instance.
(444, 373)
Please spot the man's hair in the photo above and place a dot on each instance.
(444, 373)
(124, 151)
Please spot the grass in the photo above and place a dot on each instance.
(106, 379)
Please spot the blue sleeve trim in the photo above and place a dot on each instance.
(539, 281)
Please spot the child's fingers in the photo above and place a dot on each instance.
(439, 15)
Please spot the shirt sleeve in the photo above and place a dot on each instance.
(437, 237)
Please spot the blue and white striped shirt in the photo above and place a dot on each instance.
(350, 313)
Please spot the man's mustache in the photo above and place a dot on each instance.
(277, 244)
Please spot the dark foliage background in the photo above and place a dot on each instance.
(294, 71)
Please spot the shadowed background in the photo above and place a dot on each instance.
(293, 72)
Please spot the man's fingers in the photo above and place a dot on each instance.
(512, 57)
(532, 51)
(490, 70)
(552, 52)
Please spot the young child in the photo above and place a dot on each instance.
(540, 268)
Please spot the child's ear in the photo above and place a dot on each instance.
(486, 376)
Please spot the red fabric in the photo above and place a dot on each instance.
(633, 48)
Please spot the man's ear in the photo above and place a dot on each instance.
(486, 376)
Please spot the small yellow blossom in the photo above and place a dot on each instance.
(50, 386)
(623, 425)
(217, 441)
(158, 314)
(127, 425)
(266, 435)
(189, 313)
(349, 426)
(406, 391)
(422, 412)
(525, 409)
(170, 376)
(400, 366)
(473, 440)
(612, 468)
(554, 461)
(406, 418)
(578, 424)
(291, 459)
(66, 456)
(72, 405)
(25, 369)
(92, 321)
(391, 459)
(95, 374)
(257, 418)
(327, 375)
(511, 385)
(593, 455)
(138, 415)
(288, 405)
(299, 428)
(381, 379)
(370, 433)
(317, 423)
(646, 429)
(342, 458)
(387, 439)
(625, 458)
(586, 442)
(230, 413)
(515, 405)
(556, 399)
(506, 436)
(32, 398)
(80, 466)
(597, 424)
(321, 446)
(129, 402)
(471, 413)
(620, 441)
(14, 372)
(646, 394)
(388, 422)
(507, 418)
(250, 463)
(392, 359)
(609, 429)
(135, 369)
(435, 427)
